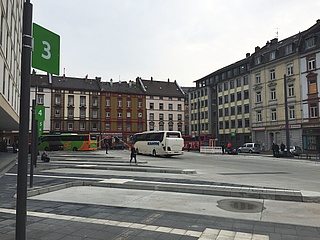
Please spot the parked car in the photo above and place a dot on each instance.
(250, 148)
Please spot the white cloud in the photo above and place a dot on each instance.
(177, 39)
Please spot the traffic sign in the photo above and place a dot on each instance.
(40, 116)
(46, 52)
(40, 113)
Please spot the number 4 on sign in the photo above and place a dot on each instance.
(40, 112)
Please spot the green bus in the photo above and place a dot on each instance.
(67, 142)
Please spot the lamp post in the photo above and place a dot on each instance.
(286, 113)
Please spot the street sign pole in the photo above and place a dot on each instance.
(21, 203)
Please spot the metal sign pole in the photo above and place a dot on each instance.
(21, 204)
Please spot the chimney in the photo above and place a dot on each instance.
(247, 55)
(274, 41)
(130, 83)
(168, 80)
(257, 49)
(111, 82)
(151, 79)
(98, 79)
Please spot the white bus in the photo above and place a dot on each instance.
(162, 143)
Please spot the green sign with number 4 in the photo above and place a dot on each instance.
(46, 52)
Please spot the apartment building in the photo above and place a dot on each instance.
(310, 86)
(186, 91)
(164, 105)
(123, 111)
(200, 118)
(220, 104)
(270, 92)
(10, 68)
(75, 105)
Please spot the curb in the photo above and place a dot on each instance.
(214, 190)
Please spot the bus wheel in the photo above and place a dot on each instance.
(75, 149)
(154, 153)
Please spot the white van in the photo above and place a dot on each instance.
(250, 148)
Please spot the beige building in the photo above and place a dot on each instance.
(164, 105)
(268, 67)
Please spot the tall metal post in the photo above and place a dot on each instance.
(33, 146)
(21, 204)
(286, 113)
(199, 124)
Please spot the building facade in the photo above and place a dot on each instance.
(310, 87)
(164, 105)
(123, 111)
(272, 96)
(75, 105)
(220, 105)
(10, 68)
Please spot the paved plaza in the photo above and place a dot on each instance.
(91, 196)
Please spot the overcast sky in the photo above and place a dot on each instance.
(182, 40)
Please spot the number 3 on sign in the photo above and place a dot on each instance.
(47, 48)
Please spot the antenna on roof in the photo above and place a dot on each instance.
(277, 33)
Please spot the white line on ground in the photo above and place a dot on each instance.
(207, 234)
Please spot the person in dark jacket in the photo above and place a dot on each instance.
(133, 155)
(282, 148)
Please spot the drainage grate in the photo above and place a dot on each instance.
(242, 206)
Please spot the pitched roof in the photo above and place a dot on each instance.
(71, 83)
(121, 87)
(161, 88)
(40, 81)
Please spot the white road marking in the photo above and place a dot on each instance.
(207, 234)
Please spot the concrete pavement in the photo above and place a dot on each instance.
(71, 206)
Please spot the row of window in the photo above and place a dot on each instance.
(232, 124)
(161, 117)
(232, 110)
(161, 106)
(94, 126)
(231, 97)
(232, 84)
(94, 113)
(161, 126)
(83, 101)
(202, 103)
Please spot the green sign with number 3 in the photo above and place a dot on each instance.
(46, 52)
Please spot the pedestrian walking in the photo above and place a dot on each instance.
(223, 148)
(282, 148)
(277, 153)
(274, 149)
(106, 144)
(133, 155)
